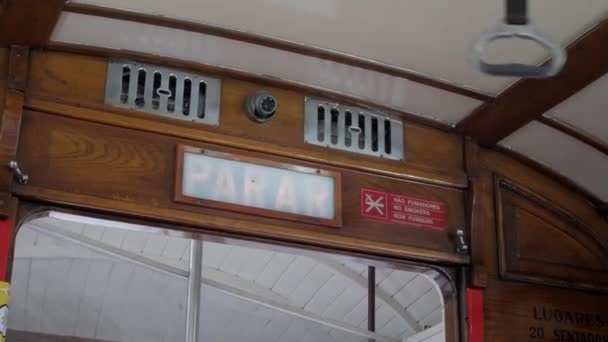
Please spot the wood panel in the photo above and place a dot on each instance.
(474, 208)
(28, 22)
(10, 123)
(132, 172)
(262, 80)
(526, 223)
(80, 80)
(517, 310)
(4, 55)
(560, 193)
(520, 312)
(18, 67)
(13, 77)
(4, 75)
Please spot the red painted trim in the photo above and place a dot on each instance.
(5, 245)
(475, 320)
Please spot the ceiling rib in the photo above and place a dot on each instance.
(213, 279)
(600, 206)
(574, 132)
(28, 22)
(275, 43)
(529, 99)
(380, 293)
(590, 198)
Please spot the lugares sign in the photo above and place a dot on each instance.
(253, 185)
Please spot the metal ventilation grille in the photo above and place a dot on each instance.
(353, 129)
(163, 91)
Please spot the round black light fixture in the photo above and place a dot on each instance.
(261, 106)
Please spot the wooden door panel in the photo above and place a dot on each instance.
(525, 312)
(541, 242)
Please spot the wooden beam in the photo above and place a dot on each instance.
(574, 132)
(528, 99)
(18, 68)
(28, 22)
(475, 210)
(10, 121)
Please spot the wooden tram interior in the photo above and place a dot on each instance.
(303, 171)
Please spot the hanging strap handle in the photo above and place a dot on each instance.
(516, 12)
(517, 26)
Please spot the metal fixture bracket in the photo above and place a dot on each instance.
(22, 177)
(461, 245)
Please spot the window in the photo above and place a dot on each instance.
(97, 280)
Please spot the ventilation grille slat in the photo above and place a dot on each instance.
(353, 129)
(163, 91)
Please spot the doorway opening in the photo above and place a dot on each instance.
(78, 278)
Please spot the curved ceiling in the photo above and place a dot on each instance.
(586, 110)
(432, 37)
(583, 164)
(395, 92)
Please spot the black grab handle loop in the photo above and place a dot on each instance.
(516, 12)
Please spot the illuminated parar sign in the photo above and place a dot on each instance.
(256, 186)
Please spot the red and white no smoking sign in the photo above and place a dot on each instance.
(402, 209)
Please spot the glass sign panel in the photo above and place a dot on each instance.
(257, 186)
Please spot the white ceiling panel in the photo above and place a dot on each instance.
(566, 155)
(432, 37)
(394, 92)
(587, 110)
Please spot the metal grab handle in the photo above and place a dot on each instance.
(526, 32)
